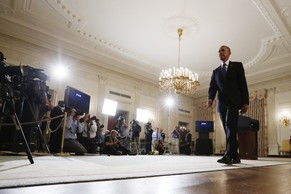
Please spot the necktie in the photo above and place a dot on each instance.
(224, 71)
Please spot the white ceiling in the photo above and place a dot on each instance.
(139, 37)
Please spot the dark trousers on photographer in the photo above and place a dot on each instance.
(115, 150)
(72, 145)
(90, 144)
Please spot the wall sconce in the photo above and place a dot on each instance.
(285, 121)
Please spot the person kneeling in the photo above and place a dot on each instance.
(112, 145)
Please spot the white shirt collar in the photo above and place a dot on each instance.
(226, 62)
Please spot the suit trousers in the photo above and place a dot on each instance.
(229, 119)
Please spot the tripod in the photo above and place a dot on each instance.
(23, 100)
(9, 109)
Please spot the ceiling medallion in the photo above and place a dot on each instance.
(189, 26)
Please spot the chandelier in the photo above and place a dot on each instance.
(178, 80)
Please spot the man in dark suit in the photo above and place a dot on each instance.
(229, 81)
(56, 127)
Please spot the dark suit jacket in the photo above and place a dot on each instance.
(232, 91)
(56, 111)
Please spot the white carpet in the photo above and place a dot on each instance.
(17, 171)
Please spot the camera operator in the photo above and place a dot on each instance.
(7, 105)
(33, 108)
(2, 68)
(148, 134)
(6, 132)
(136, 129)
(24, 91)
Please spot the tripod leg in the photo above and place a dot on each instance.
(40, 133)
(27, 149)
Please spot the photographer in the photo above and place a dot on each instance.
(112, 145)
(121, 127)
(88, 139)
(100, 135)
(123, 132)
(148, 134)
(73, 126)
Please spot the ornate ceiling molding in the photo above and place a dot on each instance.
(74, 21)
(77, 24)
(6, 10)
(267, 16)
(264, 51)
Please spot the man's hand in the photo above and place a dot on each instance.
(244, 108)
(210, 103)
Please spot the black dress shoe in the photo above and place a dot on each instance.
(225, 160)
(236, 161)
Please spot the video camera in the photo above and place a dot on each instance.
(20, 78)
(133, 122)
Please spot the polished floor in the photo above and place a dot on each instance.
(262, 180)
